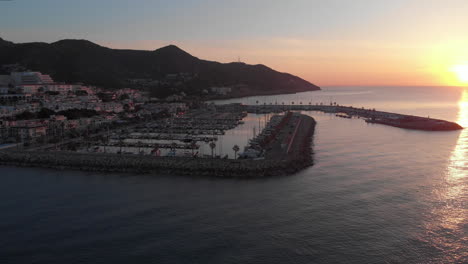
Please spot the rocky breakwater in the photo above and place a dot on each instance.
(370, 115)
(298, 158)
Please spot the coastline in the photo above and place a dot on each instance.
(266, 93)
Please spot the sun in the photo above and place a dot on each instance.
(461, 71)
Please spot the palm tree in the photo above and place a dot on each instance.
(173, 145)
(212, 146)
(155, 149)
(139, 147)
(193, 146)
(104, 143)
(236, 149)
(121, 143)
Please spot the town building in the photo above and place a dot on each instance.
(221, 90)
(27, 130)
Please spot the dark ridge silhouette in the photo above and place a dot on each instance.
(5, 43)
(84, 61)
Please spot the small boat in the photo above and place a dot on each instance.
(343, 115)
(187, 140)
(171, 153)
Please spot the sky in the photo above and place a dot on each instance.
(329, 42)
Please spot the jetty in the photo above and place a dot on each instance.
(369, 115)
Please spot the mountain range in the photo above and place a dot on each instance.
(84, 61)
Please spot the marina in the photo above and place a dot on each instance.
(221, 140)
(354, 164)
(286, 153)
(232, 132)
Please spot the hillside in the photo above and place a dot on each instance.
(84, 61)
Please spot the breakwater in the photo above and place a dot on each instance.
(281, 163)
(370, 115)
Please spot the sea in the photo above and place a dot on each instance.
(375, 194)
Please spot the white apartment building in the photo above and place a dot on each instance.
(30, 78)
(31, 88)
(4, 90)
(61, 88)
(221, 90)
(5, 81)
(34, 82)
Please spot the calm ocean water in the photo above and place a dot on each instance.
(376, 194)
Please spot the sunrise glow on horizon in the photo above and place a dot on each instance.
(329, 43)
(462, 72)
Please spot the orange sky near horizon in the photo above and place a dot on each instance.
(329, 43)
(373, 43)
(338, 64)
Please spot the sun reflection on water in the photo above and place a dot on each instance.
(458, 164)
(463, 112)
(449, 230)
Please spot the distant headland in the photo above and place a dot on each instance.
(162, 72)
